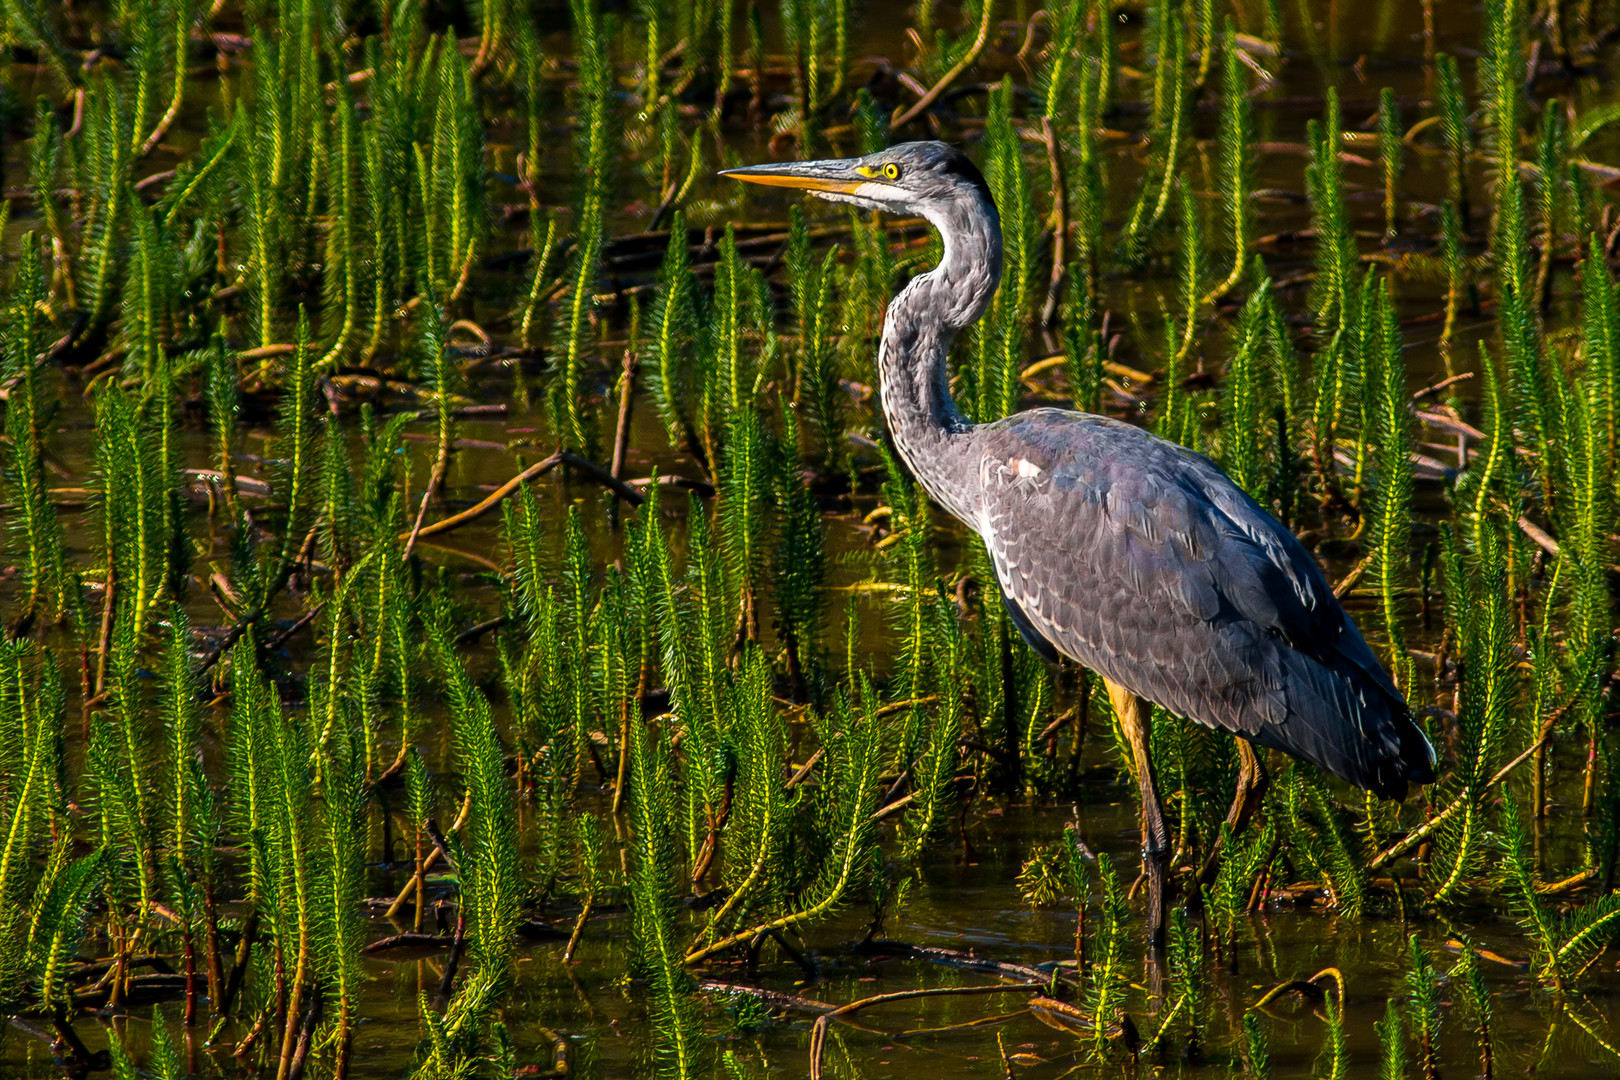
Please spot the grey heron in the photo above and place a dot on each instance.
(1129, 554)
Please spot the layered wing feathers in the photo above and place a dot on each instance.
(1144, 562)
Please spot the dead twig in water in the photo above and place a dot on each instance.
(409, 941)
(442, 1000)
(903, 117)
(951, 958)
(1424, 831)
(818, 1033)
(539, 468)
(1060, 218)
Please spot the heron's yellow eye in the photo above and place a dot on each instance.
(891, 171)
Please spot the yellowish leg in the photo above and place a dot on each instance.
(1252, 785)
(1135, 720)
(1251, 793)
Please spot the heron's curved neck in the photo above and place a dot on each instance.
(917, 332)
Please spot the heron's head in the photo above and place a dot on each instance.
(926, 178)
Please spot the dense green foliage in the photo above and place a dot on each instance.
(279, 257)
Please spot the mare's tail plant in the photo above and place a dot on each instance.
(654, 908)
(1424, 1008)
(1236, 162)
(28, 415)
(1390, 507)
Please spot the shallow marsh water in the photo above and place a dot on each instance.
(962, 894)
(964, 899)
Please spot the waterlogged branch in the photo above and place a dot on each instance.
(849, 861)
(1569, 884)
(774, 998)
(440, 851)
(1542, 538)
(262, 607)
(1306, 988)
(1060, 216)
(760, 866)
(889, 810)
(1342, 589)
(821, 907)
(952, 958)
(818, 1033)
(804, 770)
(1427, 829)
(902, 117)
(539, 468)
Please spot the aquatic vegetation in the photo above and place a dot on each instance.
(302, 740)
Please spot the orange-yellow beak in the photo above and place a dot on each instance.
(838, 176)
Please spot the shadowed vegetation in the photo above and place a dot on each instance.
(462, 615)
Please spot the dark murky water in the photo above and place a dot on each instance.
(965, 898)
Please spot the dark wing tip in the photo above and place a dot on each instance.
(1413, 763)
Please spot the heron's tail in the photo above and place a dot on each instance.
(1352, 722)
(1413, 763)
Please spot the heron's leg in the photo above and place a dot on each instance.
(1135, 720)
(1251, 794)
(1252, 785)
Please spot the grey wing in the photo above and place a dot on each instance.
(1144, 562)
(1028, 631)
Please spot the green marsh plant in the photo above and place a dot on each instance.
(247, 679)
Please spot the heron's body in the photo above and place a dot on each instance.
(1125, 552)
(1144, 562)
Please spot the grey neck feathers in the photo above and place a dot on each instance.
(917, 333)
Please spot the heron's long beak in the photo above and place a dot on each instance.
(832, 175)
